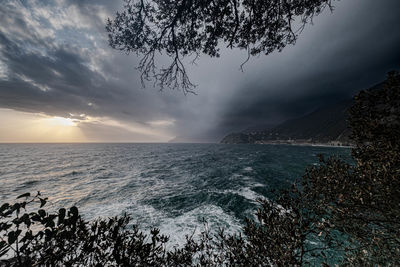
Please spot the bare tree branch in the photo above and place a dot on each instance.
(180, 28)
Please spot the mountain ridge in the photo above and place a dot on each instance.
(324, 126)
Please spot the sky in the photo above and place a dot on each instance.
(61, 82)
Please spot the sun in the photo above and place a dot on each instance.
(60, 121)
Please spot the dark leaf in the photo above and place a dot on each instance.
(42, 202)
(24, 195)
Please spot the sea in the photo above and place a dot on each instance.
(178, 188)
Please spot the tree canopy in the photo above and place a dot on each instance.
(189, 28)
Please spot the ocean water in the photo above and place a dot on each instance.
(170, 186)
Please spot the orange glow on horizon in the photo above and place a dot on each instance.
(32, 127)
(26, 127)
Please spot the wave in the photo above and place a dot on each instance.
(172, 187)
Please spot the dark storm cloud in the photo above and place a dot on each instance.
(57, 82)
(54, 59)
(48, 72)
(350, 50)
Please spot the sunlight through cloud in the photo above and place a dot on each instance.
(60, 121)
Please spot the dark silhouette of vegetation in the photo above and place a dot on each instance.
(188, 28)
(362, 201)
(338, 213)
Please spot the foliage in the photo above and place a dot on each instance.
(362, 201)
(190, 27)
(63, 238)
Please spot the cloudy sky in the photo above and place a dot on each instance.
(61, 82)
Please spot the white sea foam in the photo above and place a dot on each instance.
(248, 169)
(177, 228)
(258, 185)
(191, 223)
(245, 192)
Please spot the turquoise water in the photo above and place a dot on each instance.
(170, 186)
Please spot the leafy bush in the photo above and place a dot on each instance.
(362, 201)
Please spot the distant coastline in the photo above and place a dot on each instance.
(300, 143)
